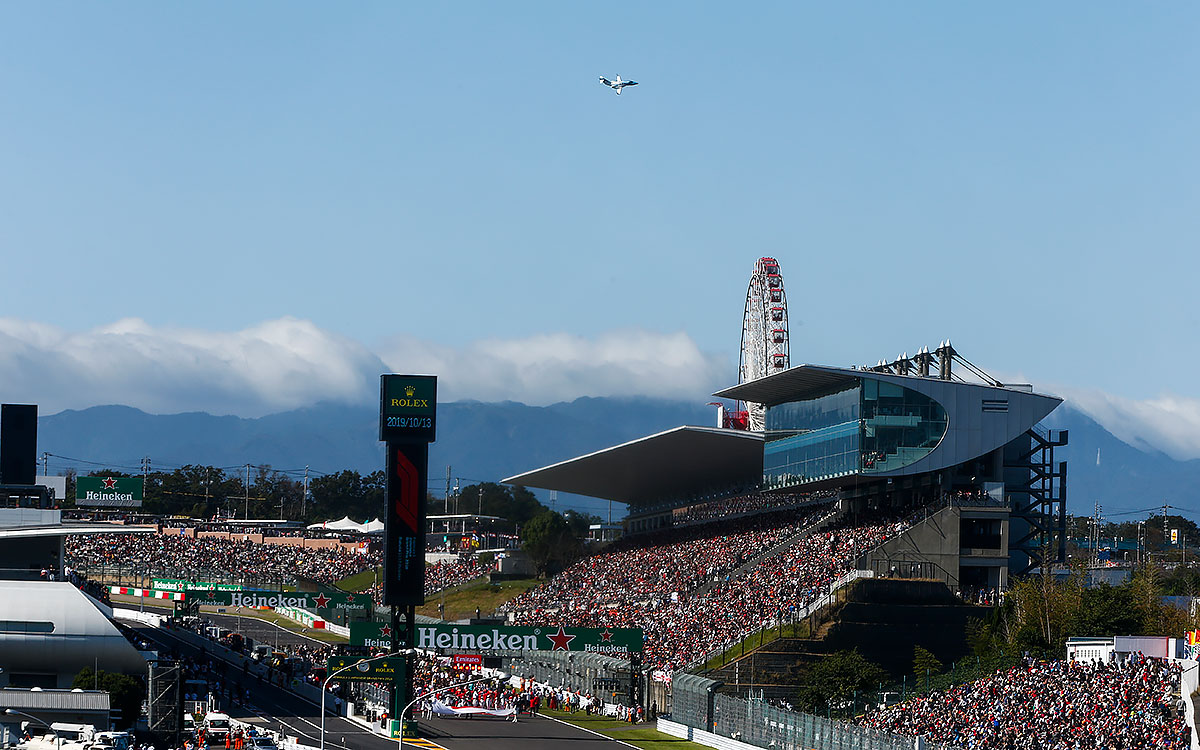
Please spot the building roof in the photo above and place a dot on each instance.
(802, 380)
(81, 633)
(674, 463)
(22, 699)
(22, 532)
(790, 384)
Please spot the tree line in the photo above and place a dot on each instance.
(551, 539)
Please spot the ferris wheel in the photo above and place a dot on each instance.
(764, 331)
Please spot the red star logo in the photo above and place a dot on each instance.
(109, 483)
(349, 598)
(606, 636)
(211, 594)
(385, 631)
(561, 641)
(321, 601)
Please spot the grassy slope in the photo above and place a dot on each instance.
(643, 736)
(462, 602)
(359, 581)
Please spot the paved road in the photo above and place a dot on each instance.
(277, 709)
(260, 630)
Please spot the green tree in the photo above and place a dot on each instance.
(548, 541)
(515, 505)
(125, 693)
(924, 662)
(1106, 611)
(580, 522)
(347, 493)
(835, 679)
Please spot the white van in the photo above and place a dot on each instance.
(216, 727)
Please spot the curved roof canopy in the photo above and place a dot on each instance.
(65, 632)
(674, 463)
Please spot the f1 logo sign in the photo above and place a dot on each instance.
(407, 501)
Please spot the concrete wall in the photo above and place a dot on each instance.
(292, 541)
(929, 549)
(933, 549)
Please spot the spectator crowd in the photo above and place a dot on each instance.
(1056, 705)
(692, 590)
(232, 560)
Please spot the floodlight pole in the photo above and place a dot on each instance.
(336, 672)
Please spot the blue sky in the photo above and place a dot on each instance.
(427, 185)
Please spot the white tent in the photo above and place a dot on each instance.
(345, 524)
(373, 527)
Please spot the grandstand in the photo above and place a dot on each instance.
(879, 442)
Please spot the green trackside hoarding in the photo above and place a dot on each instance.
(382, 670)
(178, 584)
(298, 599)
(614, 641)
(108, 492)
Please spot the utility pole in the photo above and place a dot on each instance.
(446, 508)
(45, 464)
(304, 495)
(247, 516)
(145, 473)
(1166, 533)
(481, 499)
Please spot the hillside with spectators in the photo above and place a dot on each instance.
(661, 582)
(229, 559)
(1054, 705)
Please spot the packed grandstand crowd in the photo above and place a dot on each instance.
(1056, 705)
(174, 556)
(756, 502)
(683, 587)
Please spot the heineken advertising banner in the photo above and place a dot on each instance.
(109, 492)
(178, 584)
(615, 641)
(381, 670)
(298, 599)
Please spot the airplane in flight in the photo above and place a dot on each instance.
(618, 84)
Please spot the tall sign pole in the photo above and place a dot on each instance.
(407, 425)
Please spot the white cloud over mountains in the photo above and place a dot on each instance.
(288, 363)
(547, 368)
(1169, 423)
(276, 365)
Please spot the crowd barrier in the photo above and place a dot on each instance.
(576, 671)
(710, 718)
(1189, 682)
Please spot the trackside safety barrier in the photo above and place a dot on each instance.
(707, 717)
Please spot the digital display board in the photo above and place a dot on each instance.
(404, 559)
(408, 408)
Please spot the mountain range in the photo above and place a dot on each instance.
(489, 441)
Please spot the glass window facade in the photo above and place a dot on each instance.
(899, 426)
(870, 427)
(812, 439)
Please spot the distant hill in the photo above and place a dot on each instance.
(481, 442)
(489, 441)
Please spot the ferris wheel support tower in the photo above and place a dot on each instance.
(764, 332)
